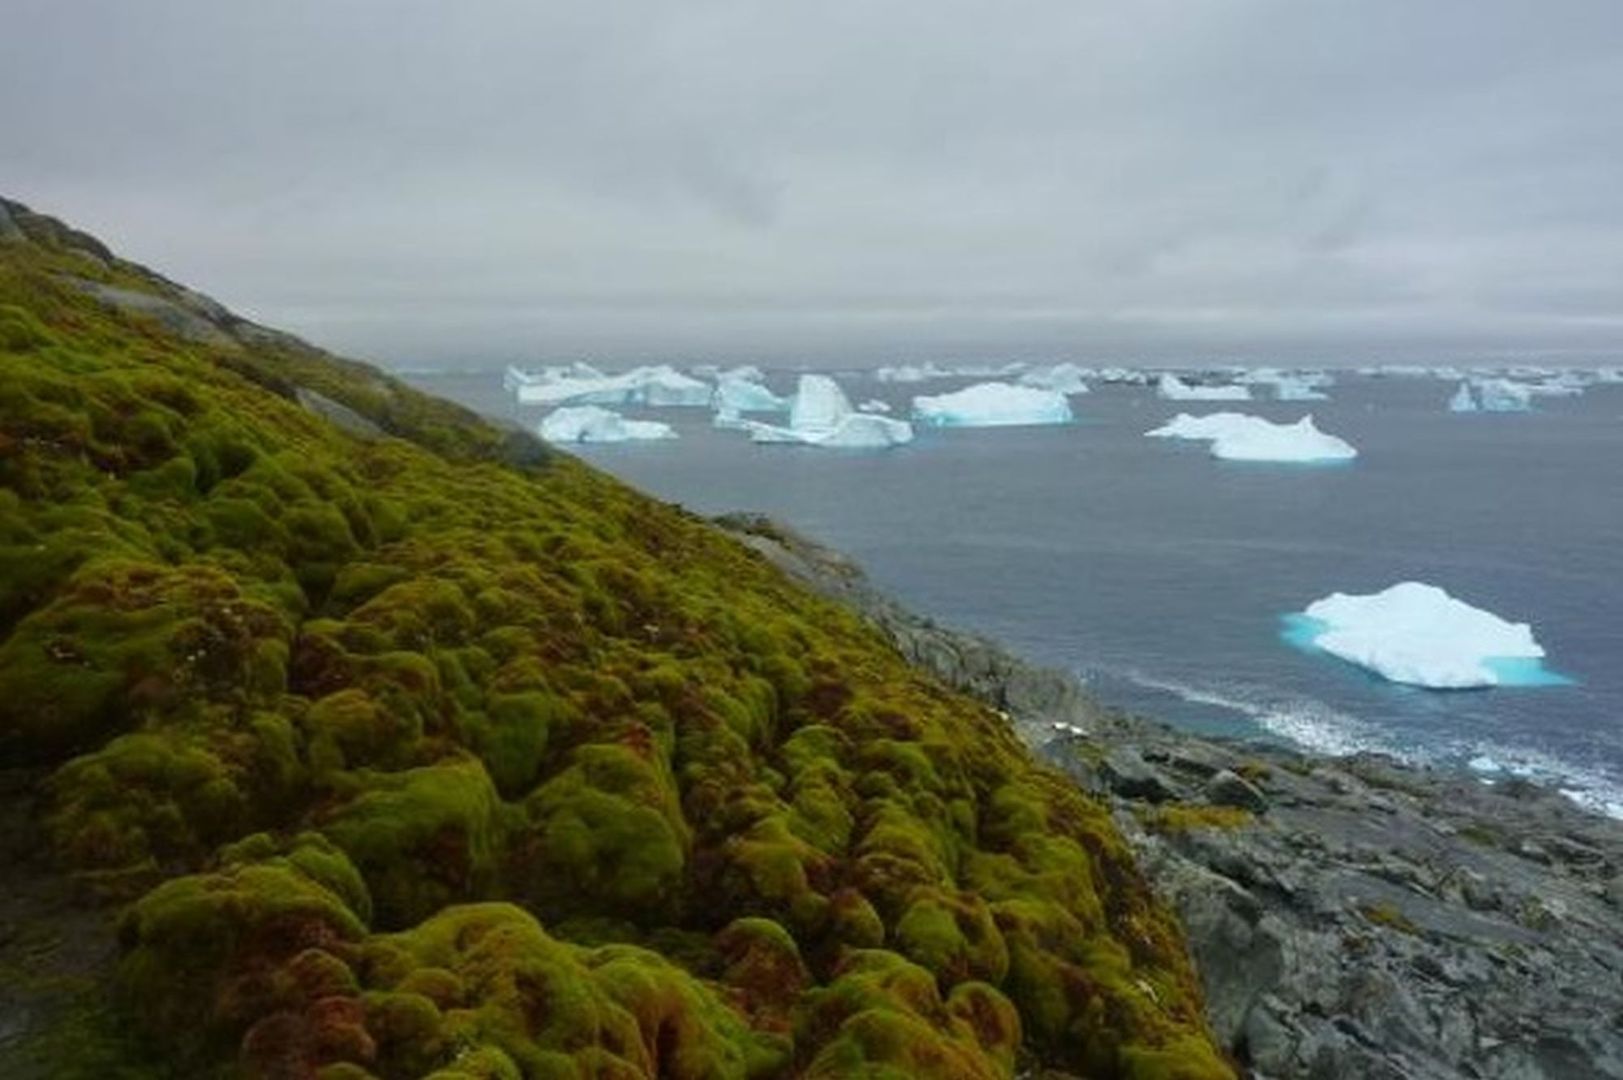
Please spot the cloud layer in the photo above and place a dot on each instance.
(426, 181)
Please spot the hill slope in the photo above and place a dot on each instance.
(416, 748)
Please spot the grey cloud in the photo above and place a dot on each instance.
(425, 181)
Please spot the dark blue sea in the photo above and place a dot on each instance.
(1161, 575)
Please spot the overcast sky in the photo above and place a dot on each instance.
(418, 182)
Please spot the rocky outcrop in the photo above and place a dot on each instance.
(1351, 917)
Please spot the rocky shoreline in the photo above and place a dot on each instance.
(1350, 917)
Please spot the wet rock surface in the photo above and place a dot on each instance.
(1351, 917)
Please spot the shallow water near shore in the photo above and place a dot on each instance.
(1161, 575)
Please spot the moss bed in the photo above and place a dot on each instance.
(440, 754)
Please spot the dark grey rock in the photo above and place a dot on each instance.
(177, 319)
(9, 230)
(338, 413)
(1127, 774)
(1228, 788)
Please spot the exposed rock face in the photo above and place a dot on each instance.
(1351, 918)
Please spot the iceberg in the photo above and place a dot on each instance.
(819, 404)
(1462, 401)
(821, 415)
(1297, 389)
(1173, 388)
(1065, 378)
(993, 404)
(1290, 385)
(666, 386)
(1239, 437)
(1418, 634)
(911, 373)
(593, 423)
(582, 384)
(1123, 376)
(1502, 395)
(738, 393)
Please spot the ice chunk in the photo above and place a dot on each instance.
(819, 404)
(584, 385)
(1290, 385)
(993, 404)
(1065, 378)
(1463, 400)
(821, 415)
(1123, 376)
(875, 405)
(740, 394)
(1502, 395)
(593, 423)
(666, 386)
(1173, 388)
(1238, 437)
(911, 373)
(1418, 634)
(856, 430)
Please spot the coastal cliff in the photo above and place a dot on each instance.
(1350, 917)
(347, 735)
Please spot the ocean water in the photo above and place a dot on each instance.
(1165, 577)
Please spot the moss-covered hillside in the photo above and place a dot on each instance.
(401, 746)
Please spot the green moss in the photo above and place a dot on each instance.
(314, 674)
(423, 838)
(1185, 817)
(1389, 916)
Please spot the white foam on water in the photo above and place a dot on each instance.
(1319, 728)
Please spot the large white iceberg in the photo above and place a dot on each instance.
(1418, 634)
(1066, 378)
(1173, 388)
(582, 384)
(593, 423)
(993, 404)
(821, 415)
(1238, 437)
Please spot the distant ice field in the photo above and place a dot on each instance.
(1162, 575)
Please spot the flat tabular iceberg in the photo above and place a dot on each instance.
(1238, 437)
(1418, 634)
(993, 404)
(821, 415)
(592, 423)
(1173, 388)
